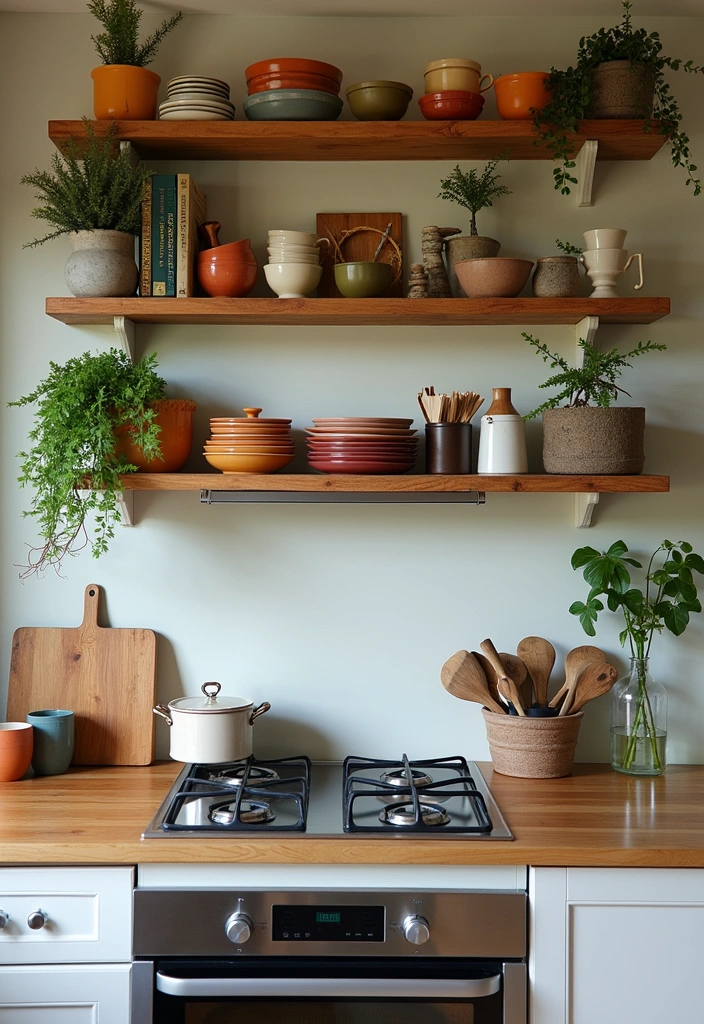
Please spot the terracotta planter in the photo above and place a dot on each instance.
(175, 418)
(621, 90)
(532, 748)
(122, 92)
(594, 440)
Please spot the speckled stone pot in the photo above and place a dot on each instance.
(594, 440)
(556, 277)
(101, 265)
(620, 89)
(532, 748)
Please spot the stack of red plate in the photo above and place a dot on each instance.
(362, 444)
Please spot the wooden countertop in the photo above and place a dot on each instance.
(592, 818)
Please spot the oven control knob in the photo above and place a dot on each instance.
(416, 930)
(37, 919)
(4, 919)
(238, 928)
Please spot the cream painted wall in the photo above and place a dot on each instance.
(343, 616)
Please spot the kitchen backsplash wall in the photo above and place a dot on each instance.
(342, 616)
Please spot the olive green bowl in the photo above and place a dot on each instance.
(379, 101)
(363, 280)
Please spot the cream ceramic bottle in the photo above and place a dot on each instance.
(502, 441)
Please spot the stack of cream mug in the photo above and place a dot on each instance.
(605, 260)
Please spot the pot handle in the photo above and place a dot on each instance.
(260, 710)
(639, 257)
(483, 88)
(163, 712)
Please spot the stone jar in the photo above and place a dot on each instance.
(102, 264)
(589, 439)
(556, 277)
(622, 90)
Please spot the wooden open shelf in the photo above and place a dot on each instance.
(330, 312)
(420, 483)
(360, 140)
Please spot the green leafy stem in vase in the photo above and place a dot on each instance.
(666, 601)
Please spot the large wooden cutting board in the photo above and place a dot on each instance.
(107, 677)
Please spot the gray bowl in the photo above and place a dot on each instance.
(292, 105)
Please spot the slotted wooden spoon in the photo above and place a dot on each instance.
(510, 672)
(575, 662)
(463, 677)
(538, 656)
(594, 680)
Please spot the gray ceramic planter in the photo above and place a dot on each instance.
(594, 440)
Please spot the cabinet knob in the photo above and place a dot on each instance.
(37, 919)
(416, 930)
(238, 928)
(4, 918)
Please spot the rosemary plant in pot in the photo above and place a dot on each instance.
(123, 86)
(95, 197)
(86, 414)
(666, 601)
(619, 73)
(588, 435)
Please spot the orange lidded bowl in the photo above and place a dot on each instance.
(519, 96)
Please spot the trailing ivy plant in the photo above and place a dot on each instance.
(593, 383)
(119, 43)
(73, 464)
(473, 190)
(98, 189)
(557, 123)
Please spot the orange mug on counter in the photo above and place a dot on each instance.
(16, 746)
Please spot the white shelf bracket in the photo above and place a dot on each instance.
(585, 330)
(125, 331)
(125, 503)
(586, 161)
(583, 508)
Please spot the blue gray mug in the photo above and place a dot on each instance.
(53, 740)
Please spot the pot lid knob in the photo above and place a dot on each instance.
(211, 693)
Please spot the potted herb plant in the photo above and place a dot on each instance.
(558, 276)
(88, 412)
(123, 87)
(94, 197)
(665, 601)
(588, 435)
(475, 191)
(619, 73)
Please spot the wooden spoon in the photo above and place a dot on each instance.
(463, 677)
(513, 665)
(575, 662)
(508, 674)
(538, 656)
(594, 680)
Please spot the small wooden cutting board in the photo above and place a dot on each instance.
(107, 677)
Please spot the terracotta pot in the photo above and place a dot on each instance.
(590, 439)
(226, 278)
(122, 92)
(620, 89)
(519, 96)
(175, 418)
(532, 748)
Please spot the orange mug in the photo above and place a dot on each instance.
(517, 96)
(16, 746)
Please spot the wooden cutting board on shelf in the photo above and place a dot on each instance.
(107, 677)
(358, 246)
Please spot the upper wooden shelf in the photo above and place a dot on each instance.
(330, 312)
(360, 140)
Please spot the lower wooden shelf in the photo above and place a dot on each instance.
(424, 483)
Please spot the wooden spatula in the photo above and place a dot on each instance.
(538, 656)
(575, 662)
(463, 677)
(505, 671)
(594, 680)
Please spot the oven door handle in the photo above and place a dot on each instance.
(329, 988)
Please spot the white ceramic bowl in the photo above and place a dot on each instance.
(294, 237)
(312, 260)
(292, 280)
(605, 238)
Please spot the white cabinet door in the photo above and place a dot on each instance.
(616, 946)
(100, 994)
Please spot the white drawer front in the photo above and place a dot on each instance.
(57, 995)
(88, 911)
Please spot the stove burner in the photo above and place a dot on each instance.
(252, 812)
(399, 777)
(234, 776)
(403, 815)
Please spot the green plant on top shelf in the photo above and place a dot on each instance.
(119, 42)
(473, 190)
(557, 122)
(593, 383)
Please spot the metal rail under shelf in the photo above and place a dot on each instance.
(213, 497)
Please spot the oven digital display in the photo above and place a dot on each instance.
(327, 924)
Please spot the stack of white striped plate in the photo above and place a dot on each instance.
(193, 98)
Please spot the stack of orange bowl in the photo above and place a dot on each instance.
(247, 444)
(362, 444)
(453, 90)
(292, 89)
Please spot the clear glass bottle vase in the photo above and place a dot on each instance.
(638, 722)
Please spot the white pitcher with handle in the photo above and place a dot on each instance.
(605, 266)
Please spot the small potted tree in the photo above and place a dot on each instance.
(588, 435)
(96, 199)
(97, 417)
(123, 87)
(619, 73)
(474, 191)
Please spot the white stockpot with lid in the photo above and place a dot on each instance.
(210, 729)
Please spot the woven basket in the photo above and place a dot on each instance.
(532, 748)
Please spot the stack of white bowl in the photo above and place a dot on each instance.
(294, 269)
(194, 98)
